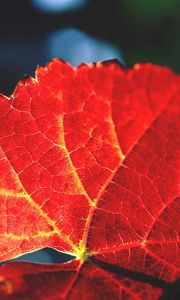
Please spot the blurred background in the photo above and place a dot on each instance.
(34, 31)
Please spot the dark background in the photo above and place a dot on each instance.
(34, 31)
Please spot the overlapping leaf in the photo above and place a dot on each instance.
(89, 166)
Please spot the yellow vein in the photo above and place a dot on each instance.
(77, 178)
(114, 133)
(41, 213)
(42, 234)
(94, 204)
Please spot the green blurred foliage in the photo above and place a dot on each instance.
(148, 12)
(152, 30)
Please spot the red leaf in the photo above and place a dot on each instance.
(89, 166)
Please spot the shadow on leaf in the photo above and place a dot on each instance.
(171, 291)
